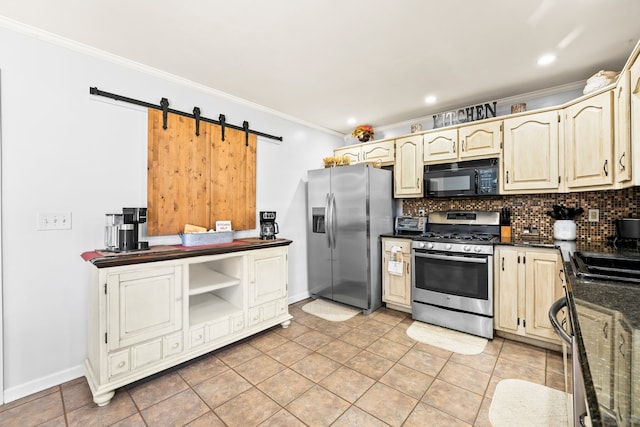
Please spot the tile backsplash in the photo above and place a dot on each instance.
(530, 210)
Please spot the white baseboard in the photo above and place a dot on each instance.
(299, 297)
(26, 389)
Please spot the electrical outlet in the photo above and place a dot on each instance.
(421, 212)
(594, 215)
(54, 221)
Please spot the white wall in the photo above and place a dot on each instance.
(64, 150)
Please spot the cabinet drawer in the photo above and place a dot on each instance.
(219, 328)
(119, 363)
(173, 344)
(196, 336)
(404, 244)
(146, 354)
(238, 322)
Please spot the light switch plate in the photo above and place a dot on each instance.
(54, 221)
(594, 215)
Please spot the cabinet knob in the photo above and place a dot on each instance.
(121, 365)
(175, 345)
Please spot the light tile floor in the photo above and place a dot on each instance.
(362, 372)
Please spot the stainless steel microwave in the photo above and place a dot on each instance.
(472, 178)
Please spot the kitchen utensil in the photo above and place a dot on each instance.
(628, 228)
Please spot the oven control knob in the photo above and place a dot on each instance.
(429, 245)
(477, 249)
(466, 248)
(448, 246)
(420, 244)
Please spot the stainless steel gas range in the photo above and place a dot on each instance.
(452, 280)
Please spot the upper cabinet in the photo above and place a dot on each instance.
(381, 151)
(531, 154)
(440, 146)
(408, 169)
(622, 133)
(466, 142)
(480, 141)
(588, 133)
(634, 91)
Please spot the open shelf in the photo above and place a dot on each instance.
(207, 306)
(203, 279)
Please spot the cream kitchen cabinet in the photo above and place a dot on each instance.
(147, 317)
(531, 154)
(440, 146)
(588, 136)
(598, 333)
(353, 152)
(466, 142)
(527, 281)
(396, 285)
(382, 152)
(408, 168)
(634, 91)
(622, 133)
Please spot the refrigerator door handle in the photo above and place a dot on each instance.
(333, 220)
(327, 219)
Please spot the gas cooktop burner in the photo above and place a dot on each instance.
(464, 237)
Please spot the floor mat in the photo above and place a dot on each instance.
(457, 342)
(330, 310)
(523, 403)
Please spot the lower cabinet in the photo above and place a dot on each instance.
(527, 282)
(396, 273)
(144, 318)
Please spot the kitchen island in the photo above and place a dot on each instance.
(152, 310)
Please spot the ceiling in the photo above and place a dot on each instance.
(324, 62)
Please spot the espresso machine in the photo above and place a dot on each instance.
(268, 225)
(121, 232)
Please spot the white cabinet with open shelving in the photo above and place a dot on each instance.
(147, 317)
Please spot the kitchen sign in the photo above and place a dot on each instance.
(465, 115)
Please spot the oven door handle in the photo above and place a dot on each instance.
(451, 258)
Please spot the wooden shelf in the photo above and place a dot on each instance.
(206, 307)
(203, 279)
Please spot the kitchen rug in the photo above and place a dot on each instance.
(526, 404)
(457, 342)
(330, 310)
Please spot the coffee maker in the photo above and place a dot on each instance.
(268, 225)
(121, 230)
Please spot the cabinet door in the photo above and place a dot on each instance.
(634, 90)
(507, 294)
(396, 289)
(408, 169)
(622, 134)
(143, 304)
(380, 151)
(268, 276)
(481, 140)
(597, 335)
(543, 288)
(440, 146)
(352, 152)
(531, 148)
(625, 378)
(589, 142)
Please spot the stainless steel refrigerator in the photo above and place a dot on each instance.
(348, 208)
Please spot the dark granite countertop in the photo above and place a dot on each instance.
(605, 316)
(162, 253)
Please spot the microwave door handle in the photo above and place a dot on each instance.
(475, 180)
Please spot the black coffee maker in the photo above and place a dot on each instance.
(268, 225)
(128, 233)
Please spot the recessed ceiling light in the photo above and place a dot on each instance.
(431, 99)
(351, 121)
(546, 59)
